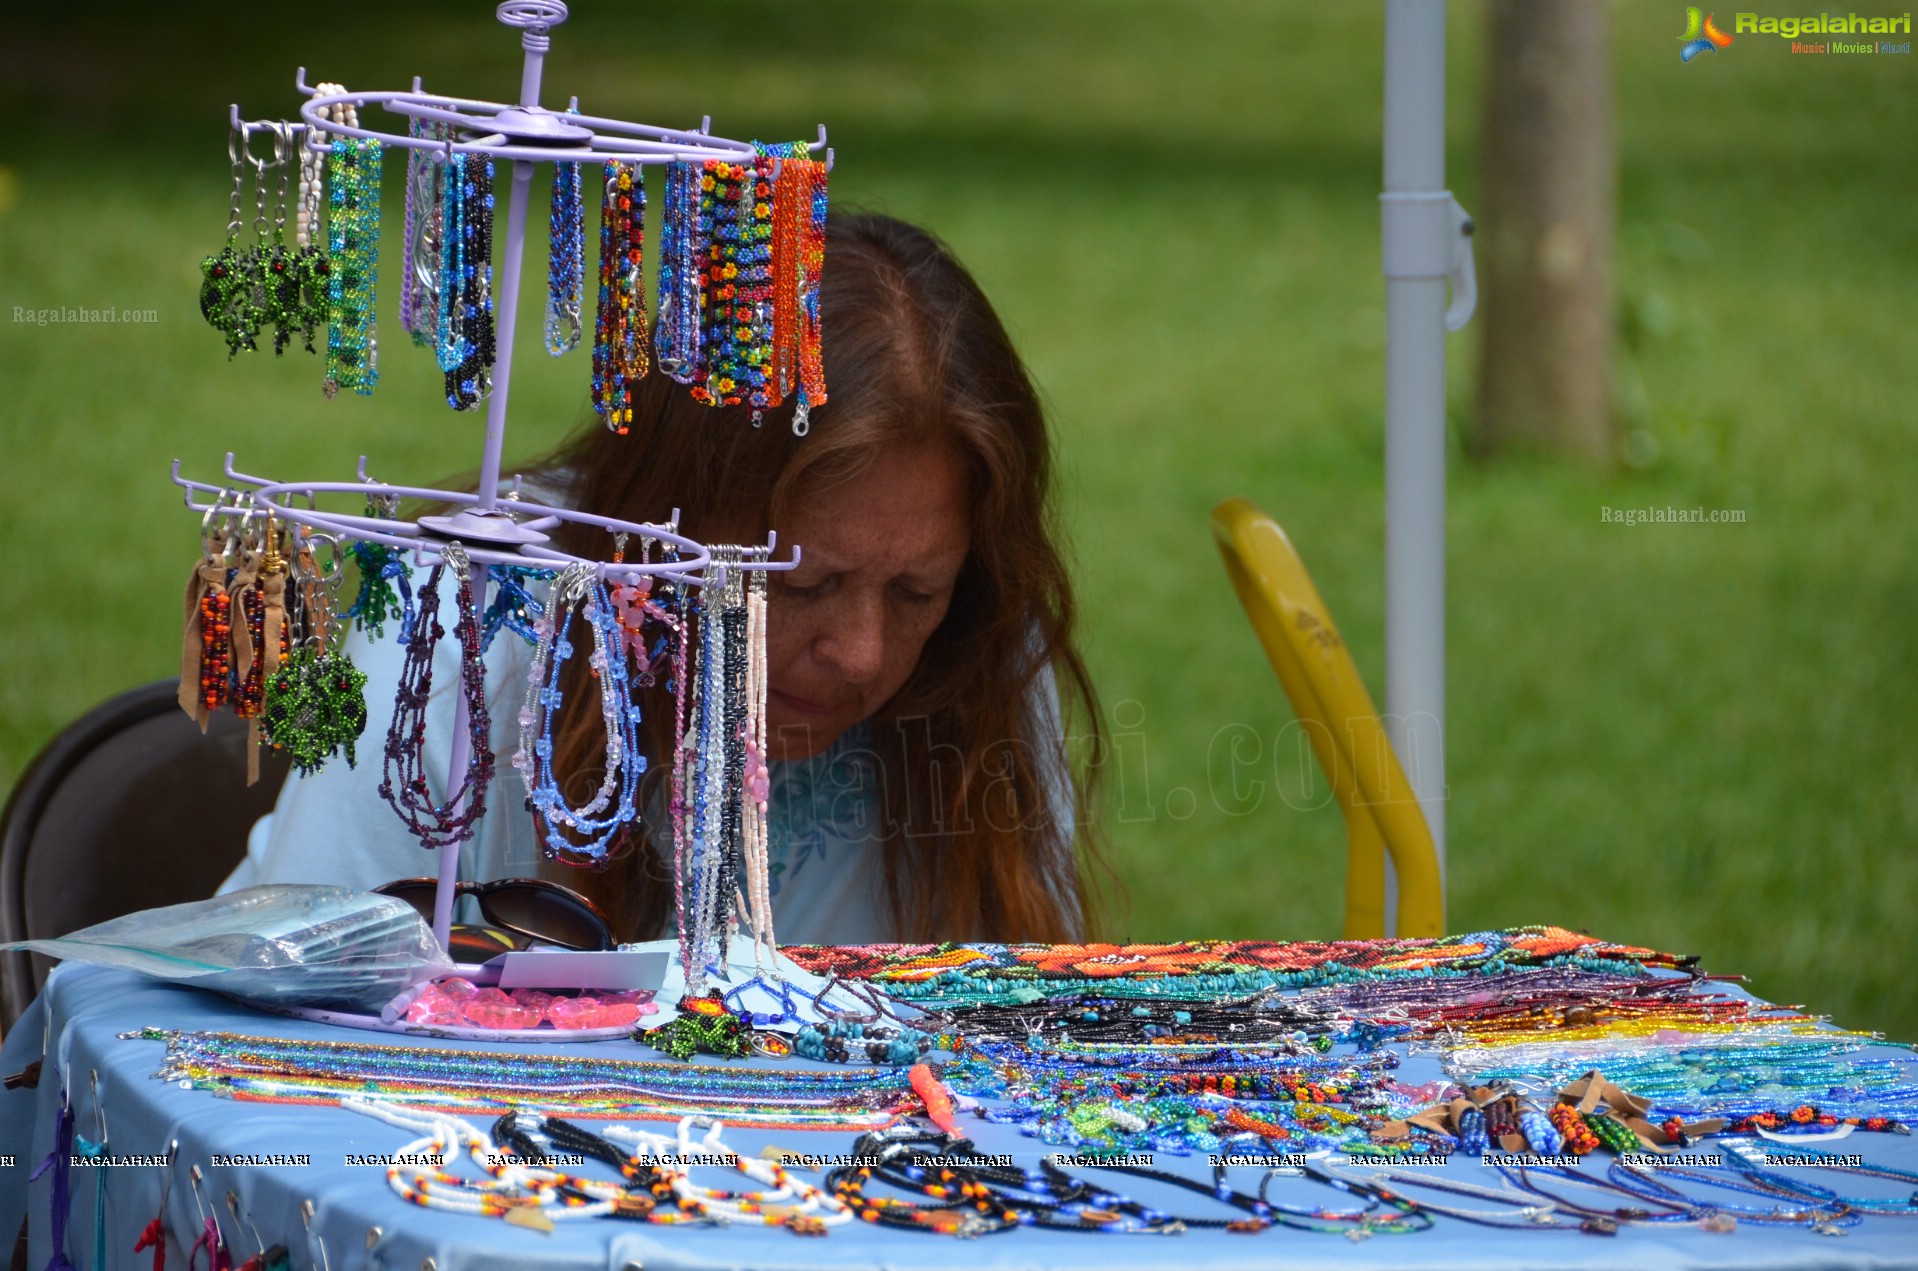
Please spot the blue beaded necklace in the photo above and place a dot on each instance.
(592, 829)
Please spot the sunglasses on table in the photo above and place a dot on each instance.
(520, 911)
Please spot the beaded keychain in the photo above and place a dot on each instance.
(404, 783)
(619, 333)
(593, 829)
(229, 289)
(291, 297)
(566, 265)
(206, 646)
(353, 241)
(261, 638)
(315, 700)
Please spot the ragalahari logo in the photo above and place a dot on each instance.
(1701, 36)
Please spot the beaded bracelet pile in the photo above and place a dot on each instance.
(967, 974)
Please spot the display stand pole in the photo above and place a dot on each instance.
(445, 898)
(535, 43)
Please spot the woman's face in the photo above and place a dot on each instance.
(879, 557)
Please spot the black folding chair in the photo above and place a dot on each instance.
(131, 807)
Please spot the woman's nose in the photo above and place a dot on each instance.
(854, 643)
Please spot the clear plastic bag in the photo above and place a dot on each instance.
(284, 944)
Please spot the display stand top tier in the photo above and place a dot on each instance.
(496, 529)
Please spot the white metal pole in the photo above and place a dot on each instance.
(1415, 416)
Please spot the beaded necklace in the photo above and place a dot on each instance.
(1697, 1075)
(282, 1070)
(353, 243)
(592, 829)
(1655, 1184)
(1750, 1159)
(404, 783)
(716, 765)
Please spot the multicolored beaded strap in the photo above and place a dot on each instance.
(353, 241)
(742, 256)
(404, 784)
(619, 336)
(727, 331)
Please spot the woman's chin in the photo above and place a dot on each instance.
(789, 740)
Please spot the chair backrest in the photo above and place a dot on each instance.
(131, 807)
(1304, 646)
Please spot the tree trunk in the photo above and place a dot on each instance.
(1545, 225)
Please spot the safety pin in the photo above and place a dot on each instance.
(193, 1173)
(306, 1219)
(233, 1207)
(166, 1178)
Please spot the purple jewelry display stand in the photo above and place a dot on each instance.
(494, 530)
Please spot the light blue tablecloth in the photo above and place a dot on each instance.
(89, 1006)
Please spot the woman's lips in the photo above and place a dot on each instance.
(799, 705)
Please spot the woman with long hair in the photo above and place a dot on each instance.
(922, 660)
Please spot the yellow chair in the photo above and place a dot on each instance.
(1302, 643)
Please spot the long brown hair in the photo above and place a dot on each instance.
(974, 846)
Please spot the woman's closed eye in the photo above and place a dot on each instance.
(913, 595)
(805, 591)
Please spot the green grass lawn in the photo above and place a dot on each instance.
(1695, 736)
